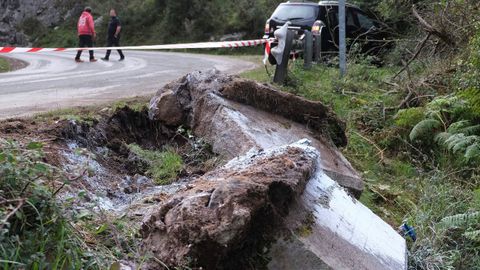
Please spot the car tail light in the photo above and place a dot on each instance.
(317, 27)
(267, 27)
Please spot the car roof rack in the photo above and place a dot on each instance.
(321, 3)
(335, 3)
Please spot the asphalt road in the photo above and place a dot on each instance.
(53, 80)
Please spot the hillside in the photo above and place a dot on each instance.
(146, 22)
(53, 22)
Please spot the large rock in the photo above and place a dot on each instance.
(223, 219)
(236, 115)
(274, 203)
(47, 13)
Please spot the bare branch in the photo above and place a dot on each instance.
(432, 30)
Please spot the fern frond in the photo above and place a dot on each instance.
(457, 127)
(472, 152)
(473, 235)
(471, 130)
(458, 142)
(460, 220)
(442, 137)
(424, 128)
(449, 104)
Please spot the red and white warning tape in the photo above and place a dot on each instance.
(202, 45)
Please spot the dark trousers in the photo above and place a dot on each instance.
(85, 41)
(113, 42)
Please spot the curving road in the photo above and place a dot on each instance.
(53, 80)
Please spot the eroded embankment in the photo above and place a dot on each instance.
(111, 158)
(160, 168)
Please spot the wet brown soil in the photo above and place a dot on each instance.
(95, 150)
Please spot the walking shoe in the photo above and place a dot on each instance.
(105, 59)
(79, 60)
(121, 59)
(93, 60)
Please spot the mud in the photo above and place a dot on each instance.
(95, 154)
(314, 115)
(125, 126)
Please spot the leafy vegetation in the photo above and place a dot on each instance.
(164, 166)
(34, 233)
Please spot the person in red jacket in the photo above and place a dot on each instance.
(86, 34)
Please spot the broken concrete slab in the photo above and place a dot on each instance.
(236, 115)
(341, 231)
(260, 202)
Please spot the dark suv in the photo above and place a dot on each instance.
(361, 28)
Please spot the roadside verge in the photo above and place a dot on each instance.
(11, 64)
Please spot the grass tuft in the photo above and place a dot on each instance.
(164, 166)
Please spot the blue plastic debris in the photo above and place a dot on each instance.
(408, 231)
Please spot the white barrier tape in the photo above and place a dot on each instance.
(201, 45)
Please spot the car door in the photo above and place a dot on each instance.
(333, 27)
(368, 34)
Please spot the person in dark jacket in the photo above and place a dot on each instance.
(113, 39)
(86, 33)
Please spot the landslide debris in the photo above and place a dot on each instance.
(230, 215)
(183, 102)
(236, 115)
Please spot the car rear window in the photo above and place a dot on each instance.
(295, 12)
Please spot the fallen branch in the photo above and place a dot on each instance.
(15, 210)
(417, 53)
(69, 180)
(432, 30)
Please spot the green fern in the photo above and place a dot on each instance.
(457, 127)
(460, 137)
(425, 128)
(460, 142)
(472, 152)
(468, 221)
(449, 105)
(464, 126)
(460, 220)
(472, 95)
(442, 137)
(472, 235)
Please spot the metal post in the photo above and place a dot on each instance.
(342, 37)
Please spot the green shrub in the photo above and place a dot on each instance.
(33, 232)
(408, 118)
(32, 27)
(449, 121)
(445, 238)
(468, 222)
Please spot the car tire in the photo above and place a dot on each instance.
(281, 70)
